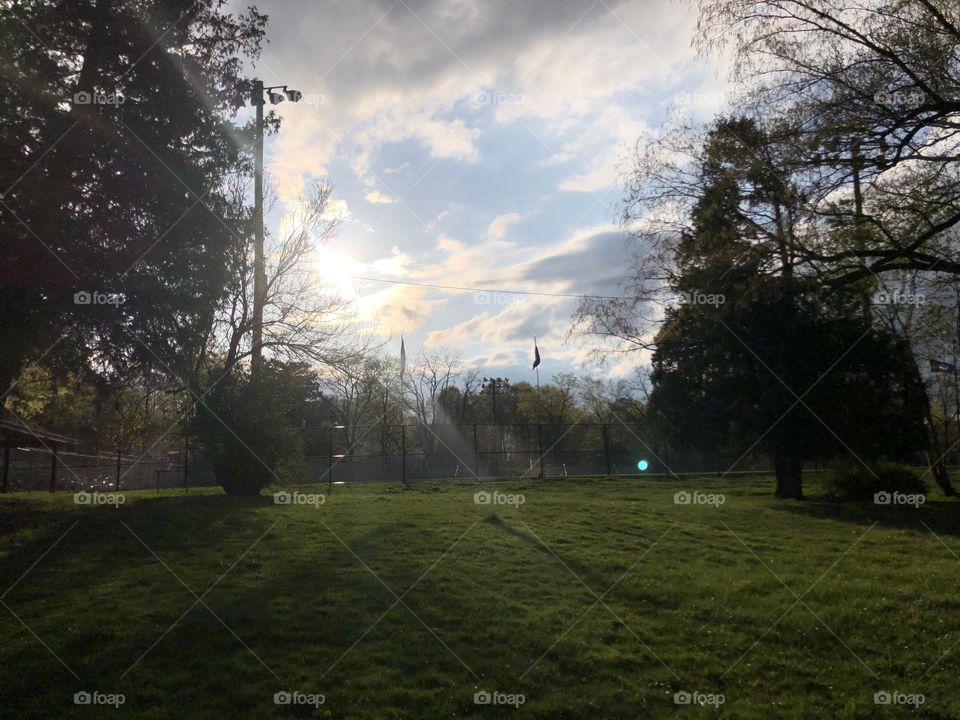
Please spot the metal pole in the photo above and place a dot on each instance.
(186, 463)
(540, 446)
(403, 452)
(606, 446)
(956, 378)
(6, 465)
(476, 453)
(330, 461)
(53, 468)
(259, 274)
(539, 396)
(116, 484)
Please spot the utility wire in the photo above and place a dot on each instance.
(487, 290)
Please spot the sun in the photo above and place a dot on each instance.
(335, 270)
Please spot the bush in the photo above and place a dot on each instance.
(851, 480)
(248, 430)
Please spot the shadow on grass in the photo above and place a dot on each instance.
(943, 517)
(582, 570)
(164, 520)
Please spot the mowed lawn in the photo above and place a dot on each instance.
(594, 599)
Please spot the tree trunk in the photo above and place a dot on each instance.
(939, 468)
(788, 471)
(937, 458)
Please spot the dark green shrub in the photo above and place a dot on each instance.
(249, 426)
(851, 480)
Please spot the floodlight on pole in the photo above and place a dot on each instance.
(259, 272)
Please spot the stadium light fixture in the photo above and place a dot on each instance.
(276, 95)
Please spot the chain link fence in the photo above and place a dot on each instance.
(391, 453)
(388, 453)
(30, 469)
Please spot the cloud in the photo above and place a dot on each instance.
(392, 72)
(477, 107)
(378, 198)
(498, 227)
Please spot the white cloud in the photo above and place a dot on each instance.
(567, 85)
(378, 198)
(499, 226)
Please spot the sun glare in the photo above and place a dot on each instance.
(334, 269)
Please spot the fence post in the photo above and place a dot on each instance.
(116, 484)
(53, 467)
(403, 452)
(540, 446)
(6, 465)
(186, 463)
(476, 453)
(330, 461)
(606, 446)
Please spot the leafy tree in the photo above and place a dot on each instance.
(797, 376)
(116, 138)
(755, 356)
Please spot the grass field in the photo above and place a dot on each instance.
(592, 599)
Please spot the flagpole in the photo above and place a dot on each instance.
(539, 397)
(536, 367)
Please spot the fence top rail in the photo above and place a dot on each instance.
(433, 426)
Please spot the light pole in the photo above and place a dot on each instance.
(494, 384)
(259, 272)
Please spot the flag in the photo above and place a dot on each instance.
(403, 358)
(938, 366)
(536, 355)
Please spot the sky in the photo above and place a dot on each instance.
(477, 144)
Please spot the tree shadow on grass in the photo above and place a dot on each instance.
(166, 524)
(942, 517)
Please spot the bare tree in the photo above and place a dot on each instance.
(865, 95)
(303, 321)
(431, 374)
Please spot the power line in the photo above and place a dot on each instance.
(486, 290)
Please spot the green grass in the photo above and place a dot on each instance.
(694, 598)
